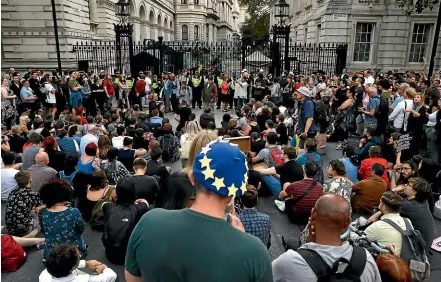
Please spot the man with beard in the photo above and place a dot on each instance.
(406, 170)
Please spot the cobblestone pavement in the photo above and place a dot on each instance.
(280, 226)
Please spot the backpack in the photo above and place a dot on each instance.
(413, 250)
(119, 224)
(324, 273)
(44, 92)
(97, 217)
(320, 116)
(13, 255)
(383, 110)
(275, 157)
(170, 148)
(319, 177)
(68, 179)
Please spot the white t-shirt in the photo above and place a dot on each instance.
(8, 182)
(86, 139)
(148, 83)
(118, 141)
(50, 97)
(369, 80)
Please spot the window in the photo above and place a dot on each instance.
(196, 32)
(363, 42)
(318, 32)
(206, 33)
(305, 36)
(418, 46)
(184, 32)
(184, 2)
(196, 2)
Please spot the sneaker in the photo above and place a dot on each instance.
(280, 205)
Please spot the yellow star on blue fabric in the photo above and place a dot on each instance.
(218, 183)
(205, 150)
(243, 187)
(232, 190)
(208, 173)
(245, 176)
(205, 161)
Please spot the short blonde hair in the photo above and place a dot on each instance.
(203, 138)
(410, 93)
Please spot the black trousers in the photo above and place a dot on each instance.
(231, 97)
(219, 98)
(101, 105)
(90, 105)
(197, 95)
(174, 102)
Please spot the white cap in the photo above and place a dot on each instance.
(304, 91)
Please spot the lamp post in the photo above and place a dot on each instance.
(123, 33)
(281, 30)
(57, 42)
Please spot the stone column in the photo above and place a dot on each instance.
(214, 33)
(93, 12)
(210, 33)
(136, 29)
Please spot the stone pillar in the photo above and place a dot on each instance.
(136, 29)
(93, 12)
(153, 33)
(214, 33)
(210, 33)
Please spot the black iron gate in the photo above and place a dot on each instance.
(228, 57)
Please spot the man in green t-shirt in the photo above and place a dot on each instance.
(198, 244)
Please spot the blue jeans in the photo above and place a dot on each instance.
(273, 184)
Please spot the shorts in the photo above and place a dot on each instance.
(49, 105)
(224, 97)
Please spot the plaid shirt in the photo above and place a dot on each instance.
(257, 224)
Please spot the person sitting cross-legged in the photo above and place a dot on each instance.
(368, 192)
(300, 196)
(63, 262)
(255, 222)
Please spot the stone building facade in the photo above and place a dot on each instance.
(377, 32)
(27, 35)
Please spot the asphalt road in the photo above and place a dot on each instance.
(280, 226)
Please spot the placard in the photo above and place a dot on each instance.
(403, 142)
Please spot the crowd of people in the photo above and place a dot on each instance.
(81, 149)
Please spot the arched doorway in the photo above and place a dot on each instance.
(152, 23)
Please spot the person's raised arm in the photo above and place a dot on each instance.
(267, 171)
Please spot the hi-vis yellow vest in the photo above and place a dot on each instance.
(219, 82)
(195, 81)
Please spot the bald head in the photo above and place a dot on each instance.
(91, 129)
(332, 205)
(42, 158)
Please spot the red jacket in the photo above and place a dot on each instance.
(365, 169)
(140, 86)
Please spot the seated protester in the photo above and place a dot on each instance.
(311, 155)
(56, 158)
(374, 157)
(152, 145)
(338, 183)
(212, 126)
(70, 170)
(99, 191)
(253, 221)
(127, 155)
(281, 129)
(257, 144)
(368, 192)
(63, 262)
(269, 125)
(160, 131)
(169, 145)
(17, 139)
(67, 144)
(366, 142)
(145, 186)
(247, 259)
(330, 218)
(20, 219)
(155, 119)
(389, 151)
(118, 141)
(74, 133)
(225, 120)
(191, 131)
(139, 142)
(380, 230)
(205, 118)
(41, 172)
(121, 218)
(406, 170)
(271, 154)
(155, 167)
(8, 175)
(87, 162)
(416, 208)
(300, 196)
(60, 223)
(114, 123)
(351, 163)
(182, 115)
(251, 125)
(290, 171)
(112, 167)
(393, 268)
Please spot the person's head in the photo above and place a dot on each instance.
(42, 158)
(8, 159)
(191, 129)
(36, 138)
(289, 153)
(98, 180)
(234, 133)
(410, 93)
(384, 84)
(114, 118)
(120, 130)
(23, 178)
(126, 191)
(212, 174)
(250, 197)
(71, 161)
(112, 154)
(200, 140)
(280, 118)
(408, 169)
(226, 117)
(369, 132)
(418, 189)
(393, 268)
(311, 169)
(49, 144)
(168, 128)
(375, 152)
(207, 110)
(232, 124)
(390, 202)
(211, 126)
(128, 142)
(91, 149)
(140, 165)
(303, 93)
(269, 124)
(377, 170)
(156, 153)
(330, 218)
(56, 191)
(272, 138)
(254, 136)
(103, 144)
(62, 260)
(336, 168)
(310, 145)
(418, 99)
(371, 91)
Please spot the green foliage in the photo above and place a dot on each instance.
(416, 6)
(256, 29)
(256, 7)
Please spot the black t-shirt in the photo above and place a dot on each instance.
(57, 160)
(205, 119)
(146, 187)
(175, 192)
(283, 133)
(184, 115)
(290, 171)
(421, 218)
(257, 146)
(156, 168)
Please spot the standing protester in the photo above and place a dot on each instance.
(209, 94)
(197, 84)
(306, 127)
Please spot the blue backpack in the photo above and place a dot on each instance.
(68, 179)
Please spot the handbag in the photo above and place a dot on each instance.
(290, 203)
